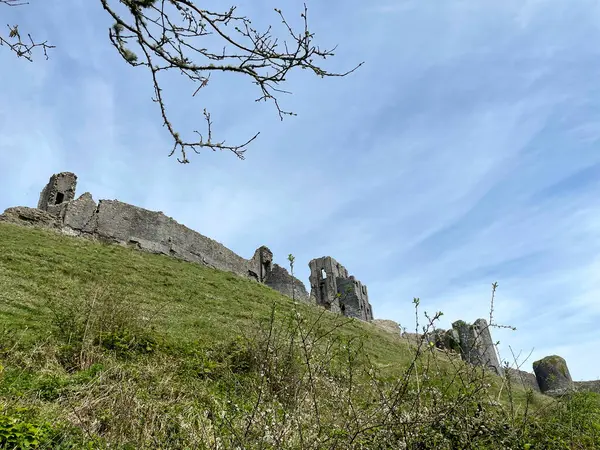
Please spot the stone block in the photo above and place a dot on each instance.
(552, 375)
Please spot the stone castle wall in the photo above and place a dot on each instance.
(334, 289)
(117, 222)
(280, 280)
(60, 189)
(125, 224)
(527, 380)
(114, 221)
(476, 344)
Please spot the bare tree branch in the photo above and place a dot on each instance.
(14, 41)
(166, 33)
(174, 34)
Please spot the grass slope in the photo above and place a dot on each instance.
(103, 346)
(192, 303)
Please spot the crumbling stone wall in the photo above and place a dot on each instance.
(445, 339)
(263, 260)
(524, 379)
(280, 280)
(22, 215)
(476, 344)
(551, 375)
(153, 231)
(323, 274)
(588, 386)
(118, 222)
(334, 289)
(60, 189)
(354, 300)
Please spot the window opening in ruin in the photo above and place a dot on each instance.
(323, 274)
(59, 198)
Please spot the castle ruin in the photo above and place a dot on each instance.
(117, 222)
(60, 189)
(331, 286)
(476, 345)
(335, 290)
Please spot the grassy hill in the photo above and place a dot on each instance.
(103, 346)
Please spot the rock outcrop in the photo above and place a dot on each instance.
(553, 375)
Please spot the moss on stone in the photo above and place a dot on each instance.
(554, 361)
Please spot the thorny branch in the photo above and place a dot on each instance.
(14, 41)
(166, 33)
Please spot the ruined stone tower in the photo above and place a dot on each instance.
(332, 288)
(263, 263)
(476, 345)
(60, 189)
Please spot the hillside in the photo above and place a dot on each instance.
(189, 302)
(102, 345)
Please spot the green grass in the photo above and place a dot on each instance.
(105, 345)
(192, 303)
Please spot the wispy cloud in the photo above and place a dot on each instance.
(463, 152)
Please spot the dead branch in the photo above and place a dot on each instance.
(16, 44)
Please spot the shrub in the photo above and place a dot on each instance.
(18, 431)
(102, 321)
(302, 380)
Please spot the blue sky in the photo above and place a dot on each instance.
(465, 151)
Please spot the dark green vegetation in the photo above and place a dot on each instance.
(105, 347)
